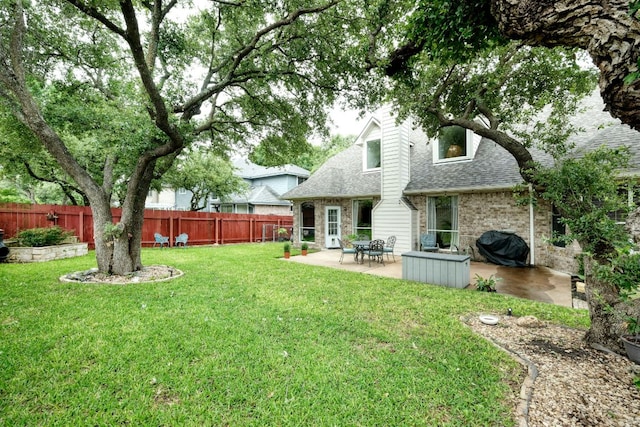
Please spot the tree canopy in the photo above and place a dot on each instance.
(115, 91)
(609, 31)
(454, 68)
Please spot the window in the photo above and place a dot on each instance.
(373, 157)
(442, 219)
(308, 222)
(454, 144)
(182, 191)
(625, 194)
(362, 214)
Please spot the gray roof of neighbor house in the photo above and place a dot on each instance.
(492, 167)
(259, 195)
(248, 170)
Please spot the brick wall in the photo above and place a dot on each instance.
(480, 212)
(477, 212)
(346, 208)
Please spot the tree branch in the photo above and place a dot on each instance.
(94, 13)
(195, 102)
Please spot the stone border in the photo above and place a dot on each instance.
(77, 277)
(22, 254)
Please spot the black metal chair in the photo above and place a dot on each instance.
(376, 250)
(388, 247)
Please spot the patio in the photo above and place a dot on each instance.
(535, 283)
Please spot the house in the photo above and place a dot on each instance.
(393, 180)
(266, 185)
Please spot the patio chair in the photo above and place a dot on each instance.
(345, 250)
(376, 250)
(388, 247)
(428, 242)
(182, 238)
(161, 240)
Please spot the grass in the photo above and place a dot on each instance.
(247, 339)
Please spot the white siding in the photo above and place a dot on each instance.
(391, 216)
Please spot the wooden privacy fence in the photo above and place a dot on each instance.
(203, 228)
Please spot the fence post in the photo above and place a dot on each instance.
(171, 242)
(81, 226)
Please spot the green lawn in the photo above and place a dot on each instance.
(245, 338)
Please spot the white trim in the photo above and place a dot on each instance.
(331, 240)
(468, 138)
(365, 155)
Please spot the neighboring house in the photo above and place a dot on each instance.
(266, 184)
(393, 180)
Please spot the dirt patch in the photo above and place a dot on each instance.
(151, 273)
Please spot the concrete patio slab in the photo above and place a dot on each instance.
(534, 283)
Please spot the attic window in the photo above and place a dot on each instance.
(372, 154)
(454, 144)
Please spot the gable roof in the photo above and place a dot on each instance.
(341, 176)
(492, 167)
(249, 170)
(259, 195)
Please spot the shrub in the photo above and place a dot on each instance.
(305, 246)
(287, 247)
(486, 284)
(37, 237)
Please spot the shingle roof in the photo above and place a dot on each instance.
(491, 168)
(260, 195)
(340, 176)
(249, 170)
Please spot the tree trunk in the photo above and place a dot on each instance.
(603, 28)
(606, 310)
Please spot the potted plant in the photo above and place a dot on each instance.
(287, 250)
(304, 248)
(631, 341)
(486, 285)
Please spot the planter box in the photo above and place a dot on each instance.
(437, 268)
(632, 346)
(47, 253)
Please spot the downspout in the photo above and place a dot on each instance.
(532, 242)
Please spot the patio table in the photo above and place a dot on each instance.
(360, 246)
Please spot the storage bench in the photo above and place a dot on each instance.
(437, 268)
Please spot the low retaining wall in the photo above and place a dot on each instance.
(47, 253)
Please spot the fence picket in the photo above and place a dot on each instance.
(203, 228)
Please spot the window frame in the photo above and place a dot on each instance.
(365, 157)
(432, 220)
(357, 229)
(468, 139)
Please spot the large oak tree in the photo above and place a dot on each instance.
(169, 74)
(449, 65)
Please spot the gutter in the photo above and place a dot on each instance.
(473, 189)
(532, 234)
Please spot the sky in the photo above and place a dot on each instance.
(346, 122)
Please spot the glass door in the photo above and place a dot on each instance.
(332, 229)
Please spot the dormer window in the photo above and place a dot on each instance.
(373, 154)
(454, 144)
